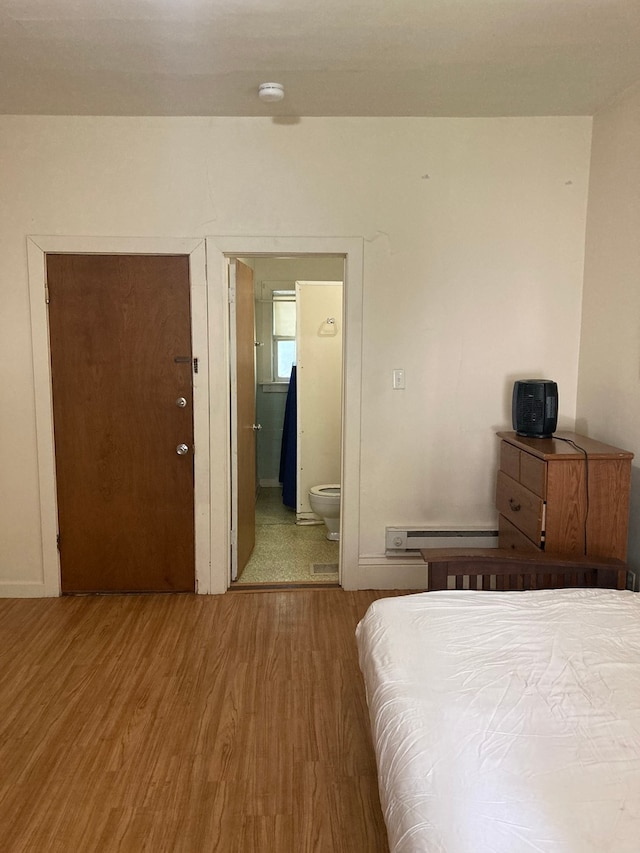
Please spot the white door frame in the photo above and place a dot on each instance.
(219, 249)
(37, 248)
(233, 414)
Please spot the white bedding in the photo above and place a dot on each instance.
(506, 722)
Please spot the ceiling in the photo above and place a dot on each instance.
(334, 57)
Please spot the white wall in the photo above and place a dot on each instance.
(609, 369)
(312, 268)
(319, 387)
(474, 239)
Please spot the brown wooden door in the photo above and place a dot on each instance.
(120, 336)
(246, 414)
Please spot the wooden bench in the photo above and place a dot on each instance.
(506, 569)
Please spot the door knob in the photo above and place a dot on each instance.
(181, 402)
(182, 449)
(257, 427)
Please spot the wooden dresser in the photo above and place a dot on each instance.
(550, 497)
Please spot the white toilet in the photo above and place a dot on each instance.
(325, 502)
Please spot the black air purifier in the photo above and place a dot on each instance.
(534, 408)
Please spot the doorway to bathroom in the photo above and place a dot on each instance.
(290, 436)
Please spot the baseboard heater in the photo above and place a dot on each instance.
(404, 541)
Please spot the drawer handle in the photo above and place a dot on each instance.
(514, 506)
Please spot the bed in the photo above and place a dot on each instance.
(506, 722)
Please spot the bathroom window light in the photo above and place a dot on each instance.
(284, 350)
(284, 334)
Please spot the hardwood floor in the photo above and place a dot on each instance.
(186, 724)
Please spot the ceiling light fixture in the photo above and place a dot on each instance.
(271, 92)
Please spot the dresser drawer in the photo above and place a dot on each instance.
(510, 460)
(510, 537)
(533, 474)
(523, 467)
(520, 506)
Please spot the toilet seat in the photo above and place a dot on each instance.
(328, 491)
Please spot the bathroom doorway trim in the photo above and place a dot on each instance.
(219, 249)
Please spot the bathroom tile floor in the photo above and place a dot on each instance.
(286, 552)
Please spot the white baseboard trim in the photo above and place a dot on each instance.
(10, 589)
(378, 572)
(391, 562)
(308, 516)
(372, 572)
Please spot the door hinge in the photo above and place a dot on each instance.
(195, 365)
(58, 541)
(232, 293)
(234, 539)
(46, 293)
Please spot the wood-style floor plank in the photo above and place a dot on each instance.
(186, 724)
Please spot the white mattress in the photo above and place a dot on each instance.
(506, 722)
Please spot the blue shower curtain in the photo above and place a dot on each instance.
(289, 448)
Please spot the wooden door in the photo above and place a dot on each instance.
(245, 479)
(120, 332)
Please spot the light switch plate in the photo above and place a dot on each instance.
(398, 379)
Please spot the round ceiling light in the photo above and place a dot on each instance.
(271, 92)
